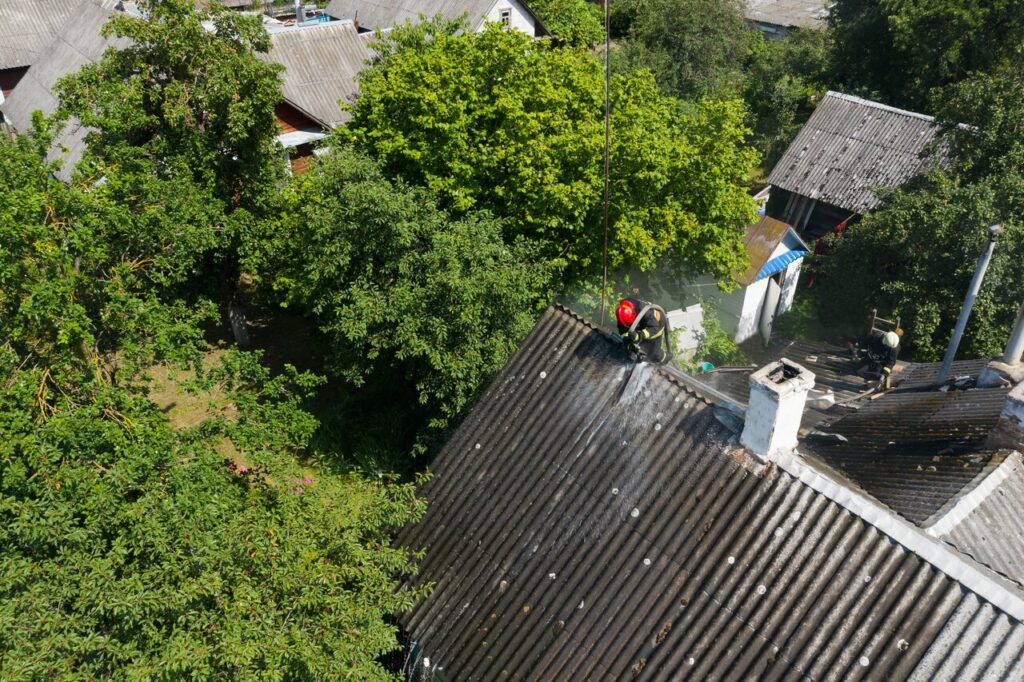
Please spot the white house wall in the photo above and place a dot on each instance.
(750, 314)
(520, 18)
(789, 282)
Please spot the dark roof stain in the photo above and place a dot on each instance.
(590, 519)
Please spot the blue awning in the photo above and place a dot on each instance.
(780, 263)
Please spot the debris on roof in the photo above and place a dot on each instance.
(850, 147)
(575, 532)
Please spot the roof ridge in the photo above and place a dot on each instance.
(699, 389)
(878, 105)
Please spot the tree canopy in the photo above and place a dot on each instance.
(903, 51)
(573, 22)
(391, 279)
(916, 255)
(500, 122)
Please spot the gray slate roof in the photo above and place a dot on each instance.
(380, 14)
(851, 146)
(28, 26)
(583, 525)
(991, 530)
(78, 43)
(788, 13)
(321, 64)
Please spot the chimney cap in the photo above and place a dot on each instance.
(783, 377)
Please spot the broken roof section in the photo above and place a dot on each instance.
(589, 519)
(28, 26)
(322, 62)
(771, 246)
(851, 147)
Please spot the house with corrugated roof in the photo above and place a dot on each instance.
(849, 150)
(26, 29)
(373, 15)
(321, 63)
(77, 43)
(777, 18)
(592, 518)
(766, 285)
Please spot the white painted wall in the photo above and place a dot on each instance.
(789, 282)
(687, 330)
(750, 314)
(520, 19)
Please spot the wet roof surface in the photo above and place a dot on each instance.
(589, 521)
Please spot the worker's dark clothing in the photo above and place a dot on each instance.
(648, 339)
(872, 352)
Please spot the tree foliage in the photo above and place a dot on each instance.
(130, 549)
(572, 22)
(695, 48)
(392, 279)
(916, 255)
(902, 51)
(783, 82)
(497, 121)
(196, 101)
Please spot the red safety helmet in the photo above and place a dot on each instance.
(626, 313)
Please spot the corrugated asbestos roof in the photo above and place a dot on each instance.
(851, 146)
(914, 450)
(78, 43)
(321, 64)
(788, 13)
(993, 530)
(378, 14)
(28, 26)
(589, 522)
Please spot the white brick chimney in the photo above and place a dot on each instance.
(1009, 430)
(778, 392)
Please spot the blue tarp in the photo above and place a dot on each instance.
(780, 263)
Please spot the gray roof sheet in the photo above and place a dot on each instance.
(28, 26)
(851, 146)
(78, 43)
(788, 13)
(586, 522)
(993, 531)
(321, 64)
(376, 14)
(379, 14)
(915, 450)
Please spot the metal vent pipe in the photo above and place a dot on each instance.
(972, 294)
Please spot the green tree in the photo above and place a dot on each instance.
(186, 101)
(694, 47)
(573, 22)
(497, 121)
(783, 81)
(129, 549)
(391, 280)
(903, 51)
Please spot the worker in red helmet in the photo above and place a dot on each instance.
(644, 337)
